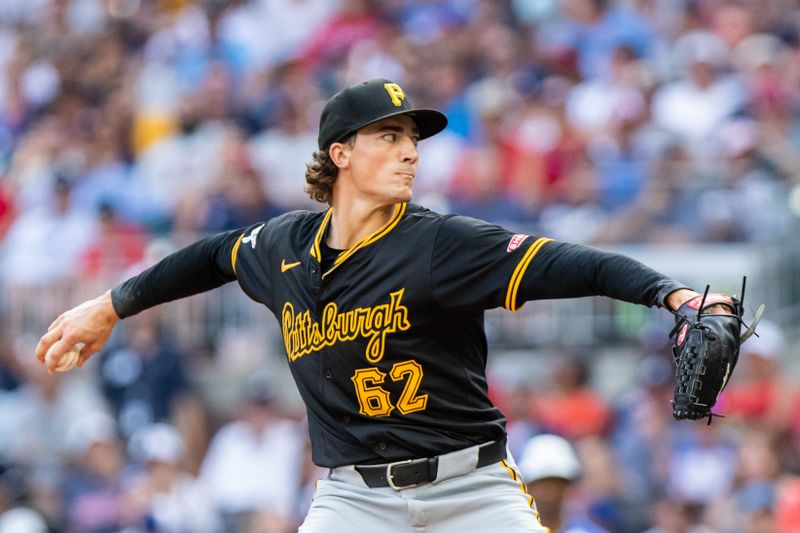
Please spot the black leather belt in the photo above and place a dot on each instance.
(412, 472)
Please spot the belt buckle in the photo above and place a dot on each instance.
(390, 476)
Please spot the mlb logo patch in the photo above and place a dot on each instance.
(515, 241)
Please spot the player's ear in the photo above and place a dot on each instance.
(340, 154)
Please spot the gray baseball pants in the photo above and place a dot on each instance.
(489, 499)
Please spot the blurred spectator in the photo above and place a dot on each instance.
(483, 184)
(309, 475)
(93, 484)
(143, 375)
(163, 496)
(36, 417)
(45, 493)
(703, 97)
(551, 471)
(44, 245)
(702, 464)
(106, 178)
(373, 58)
(665, 210)
(237, 198)
(621, 158)
(642, 438)
(33, 165)
(594, 104)
(602, 489)
(515, 403)
(448, 93)
(173, 173)
(289, 23)
(750, 181)
(570, 407)
(751, 505)
(602, 27)
(543, 130)
(117, 246)
(253, 463)
(356, 20)
(675, 516)
(279, 155)
(758, 395)
(758, 473)
(769, 73)
(574, 212)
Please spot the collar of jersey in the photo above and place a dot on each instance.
(399, 210)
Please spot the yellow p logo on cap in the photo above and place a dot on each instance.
(395, 92)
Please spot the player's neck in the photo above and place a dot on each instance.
(355, 219)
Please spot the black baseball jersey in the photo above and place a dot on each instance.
(387, 346)
(386, 343)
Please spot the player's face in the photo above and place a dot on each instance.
(383, 160)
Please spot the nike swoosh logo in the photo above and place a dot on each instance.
(288, 266)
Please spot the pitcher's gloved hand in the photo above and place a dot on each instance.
(705, 346)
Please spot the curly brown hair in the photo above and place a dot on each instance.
(321, 174)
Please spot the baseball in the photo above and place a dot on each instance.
(68, 361)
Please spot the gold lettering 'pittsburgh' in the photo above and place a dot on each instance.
(302, 336)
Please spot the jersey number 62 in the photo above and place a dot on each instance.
(374, 400)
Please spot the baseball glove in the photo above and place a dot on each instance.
(705, 347)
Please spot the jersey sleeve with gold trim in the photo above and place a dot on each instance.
(250, 261)
(565, 270)
(475, 264)
(479, 264)
(197, 268)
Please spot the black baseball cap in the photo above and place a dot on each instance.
(360, 105)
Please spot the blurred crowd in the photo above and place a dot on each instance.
(624, 465)
(131, 127)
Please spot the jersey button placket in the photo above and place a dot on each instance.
(314, 276)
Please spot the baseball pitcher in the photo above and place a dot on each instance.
(381, 304)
